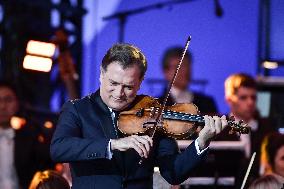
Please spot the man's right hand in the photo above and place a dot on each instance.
(141, 144)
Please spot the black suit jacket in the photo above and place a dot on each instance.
(82, 136)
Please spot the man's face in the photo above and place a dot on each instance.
(8, 105)
(243, 103)
(279, 162)
(183, 76)
(119, 86)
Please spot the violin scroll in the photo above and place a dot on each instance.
(238, 126)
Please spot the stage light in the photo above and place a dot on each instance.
(48, 124)
(17, 122)
(270, 65)
(40, 48)
(39, 56)
(37, 63)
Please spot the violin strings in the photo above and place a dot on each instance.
(182, 116)
(174, 115)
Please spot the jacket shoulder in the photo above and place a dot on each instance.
(76, 103)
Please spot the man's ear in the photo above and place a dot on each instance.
(167, 74)
(229, 100)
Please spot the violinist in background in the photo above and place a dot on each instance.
(88, 138)
(240, 95)
(180, 92)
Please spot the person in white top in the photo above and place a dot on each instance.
(21, 152)
(8, 107)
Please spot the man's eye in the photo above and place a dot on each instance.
(253, 97)
(129, 88)
(243, 97)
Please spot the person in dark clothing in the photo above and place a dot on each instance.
(48, 179)
(22, 152)
(275, 155)
(180, 92)
(241, 96)
(88, 138)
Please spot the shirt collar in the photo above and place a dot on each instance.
(181, 96)
(253, 124)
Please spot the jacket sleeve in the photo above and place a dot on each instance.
(174, 166)
(67, 143)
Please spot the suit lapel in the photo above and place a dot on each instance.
(107, 126)
(104, 115)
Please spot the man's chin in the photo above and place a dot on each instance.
(4, 119)
(118, 106)
(247, 116)
(4, 123)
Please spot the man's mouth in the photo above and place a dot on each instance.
(118, 99)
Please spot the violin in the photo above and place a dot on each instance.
(178, 121)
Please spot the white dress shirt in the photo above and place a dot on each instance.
(181, 96)
(8, 176)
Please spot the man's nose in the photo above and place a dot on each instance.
(251, 101)
(119, 91)
(2, 105)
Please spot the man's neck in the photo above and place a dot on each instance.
(4, 125)
(238, 118)
(179, 89)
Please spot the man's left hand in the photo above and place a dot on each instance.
(213, 126)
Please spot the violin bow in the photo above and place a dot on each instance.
(248, 170)
(159, 117)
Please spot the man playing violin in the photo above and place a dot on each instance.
(87, 136)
